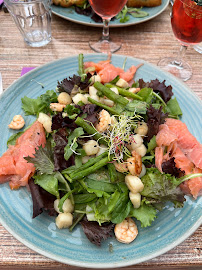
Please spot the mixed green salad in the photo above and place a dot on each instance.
(82, 172)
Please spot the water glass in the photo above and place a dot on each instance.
(33, 19)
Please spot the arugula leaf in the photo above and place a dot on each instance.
(145, 214)
(72, 144)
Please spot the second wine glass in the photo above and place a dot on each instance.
(186, 21)
(106, 9)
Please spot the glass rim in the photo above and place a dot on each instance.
(188, 4)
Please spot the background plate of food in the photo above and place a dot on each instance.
(138, 11)
(169, 229)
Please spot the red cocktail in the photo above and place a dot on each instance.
(106, 9)
(186, 21)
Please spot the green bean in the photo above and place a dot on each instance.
(110, 94)
(109, 109)
(90, 130)
(81, 69)
(124, 92)
(92, 169)
(89, 163)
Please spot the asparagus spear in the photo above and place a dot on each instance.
(124, 92)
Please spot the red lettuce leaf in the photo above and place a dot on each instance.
(68, 84)
(58, 121)
(159, 87)
(42, 200)
(96, 233)
(170, 168)
(155, 117)
(60, 139)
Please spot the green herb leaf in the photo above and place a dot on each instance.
(41, 104)
(145, 214)
(43, 159)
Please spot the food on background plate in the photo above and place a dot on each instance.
(104, 152)
(133, 8)
(144, 3)
(130, 3)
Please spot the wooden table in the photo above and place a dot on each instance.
(150, 41)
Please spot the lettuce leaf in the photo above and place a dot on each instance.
(162, 187)
(146, 213)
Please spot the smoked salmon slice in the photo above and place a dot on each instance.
(13, 166)
(179, 143)
(108, 72)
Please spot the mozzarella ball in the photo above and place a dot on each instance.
(142, 129)
(64, 220)
(67, 206)
(91, 147)
(92, 91)
(64, 98)
(134, 183)
(115, 90)
(122, 83)
(95, 97)
(79, 97)
(108, 102)
(136, 141)
(135, 199)
(141, 150)
(95, 78)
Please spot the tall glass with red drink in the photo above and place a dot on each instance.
(106, 9)
(186, 21)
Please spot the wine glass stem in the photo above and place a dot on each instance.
(105, 32)
(181, 54)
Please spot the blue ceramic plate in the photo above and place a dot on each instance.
(71, 15)
(40, 234)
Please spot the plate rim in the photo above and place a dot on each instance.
(100, 25)
(61, 259)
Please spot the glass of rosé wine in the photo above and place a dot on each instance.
(186, 22)
(106, 9)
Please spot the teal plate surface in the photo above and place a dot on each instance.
(71, 15)
(40, 234)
